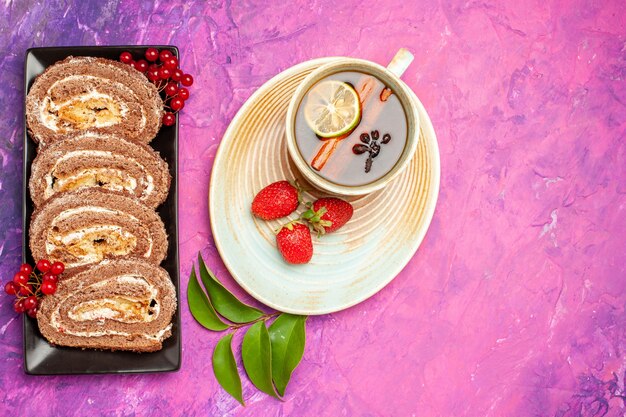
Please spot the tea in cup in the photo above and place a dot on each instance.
(352, 125)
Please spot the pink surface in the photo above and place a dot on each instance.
(513, 305)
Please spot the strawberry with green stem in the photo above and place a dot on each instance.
(327, 215)
(294, 242)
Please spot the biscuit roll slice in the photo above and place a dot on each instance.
(119, 304)
(84, 227)
(100, 160)
(97, 94)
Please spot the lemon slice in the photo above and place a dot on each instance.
(332, 108)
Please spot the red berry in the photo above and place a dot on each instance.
(177, 74)
(57, 268)
(48, 288)
(21, 278)
(26, 290)
(171, 88)
(186, 80)
(18, 306)
(141, 65)
(126, 57)
(294, 243)
(177, 103)
(48, 277)
(164, 55)
(169, 119)
(26, 268)
(11, 288)
(32, 312)
(152, 54)
(277, 200)
(165, 73)
(153, 74)
(183, 93)
(335, 214)
(43, 265)
(171, 63)
(30, 302)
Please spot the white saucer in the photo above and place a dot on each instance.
(349, 265)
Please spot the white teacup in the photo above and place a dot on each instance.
(390, 78)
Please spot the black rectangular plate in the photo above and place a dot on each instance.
(40, 358)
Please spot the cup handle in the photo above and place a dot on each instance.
(400, 62)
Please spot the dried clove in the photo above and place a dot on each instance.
(358, 149)
(370, 145)
(375, 149)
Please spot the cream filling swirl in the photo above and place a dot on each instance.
(48, 108)
(130, 184)
(77, 235)
(100, 315)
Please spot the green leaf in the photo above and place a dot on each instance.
(287, 336)
(223, 300)
(257, 357)
(225, 368)
(201, 307)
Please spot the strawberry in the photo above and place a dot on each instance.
(328, 214)
(294, 243)
(277, 200)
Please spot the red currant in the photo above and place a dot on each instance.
(152, 54)
(11, 288)
(32, 312)
(141, 65)
(48, 288)
(26, 268)
(177, 74)
(177, 104)
(153, 75)
(57, 268)
(186, 80)
(18, 306)
(43, 265)
(25, 290)
(165, 73)
(21, 278)
(171, 88)
(30, 302)
(165, 55)
(183, 93)
(169, 119)
(171, 63)
(50, 278)
(126, 57)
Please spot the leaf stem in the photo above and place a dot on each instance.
(262, 318)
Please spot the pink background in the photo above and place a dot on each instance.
(513, 305)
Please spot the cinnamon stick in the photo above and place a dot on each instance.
(328, 147)
(398, 66)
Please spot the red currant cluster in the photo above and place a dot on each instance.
(29, 286)
(162, 69)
